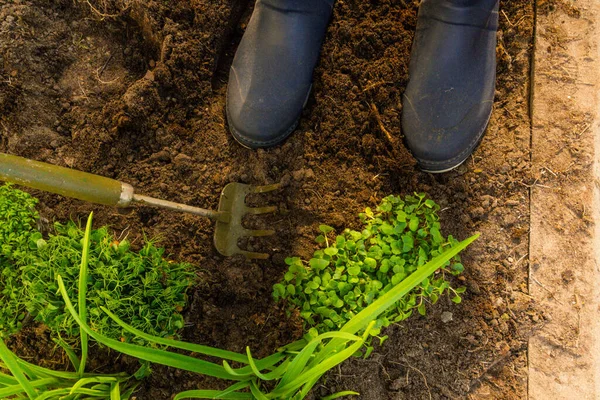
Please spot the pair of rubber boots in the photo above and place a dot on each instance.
(448, 100)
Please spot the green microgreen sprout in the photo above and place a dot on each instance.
(356, 268)
(143, 287)
(18, 219)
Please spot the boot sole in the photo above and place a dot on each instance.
(252, 144)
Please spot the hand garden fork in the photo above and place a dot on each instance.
(101, 190)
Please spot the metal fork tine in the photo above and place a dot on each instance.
(258, 232)
(266, 188)
(261, 210)
(233, 204)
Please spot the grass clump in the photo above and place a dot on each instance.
(18, 219)
(354, 270)
(141, 287)
(22, 380)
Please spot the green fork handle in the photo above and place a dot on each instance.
(64, 181)
(87, 187)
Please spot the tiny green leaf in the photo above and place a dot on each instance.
(458, 267)
(325, 229)
(318, 263)
(413, 224)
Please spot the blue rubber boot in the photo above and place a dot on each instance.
(271, 75)
(452, 74)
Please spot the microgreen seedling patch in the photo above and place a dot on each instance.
(355, 268)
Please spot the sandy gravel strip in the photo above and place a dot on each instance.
(564, 355)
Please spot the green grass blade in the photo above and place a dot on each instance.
(265, 363)
(115, 391)
(153, 355)
(7, 380)
(31, 370)
(210, 394)
(317, 371)
(83, 275)
(247, 374)
(302, 358)
(299, 362)
(278, 372)
(56, 393)
(308, 386)
(233, 388)
(66, 393)
(253, 366)
(18, 388)
(129, 392)
(27, 370)
(258, 395)
(293, 347)
(275, 374)
(340, 394)
(11, 362)
(206, 350)
(102, 387)
(11, 391)
(86, 381)
(70, 353)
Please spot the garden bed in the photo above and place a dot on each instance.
(137, 92)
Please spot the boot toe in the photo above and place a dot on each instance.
(441, 139)
(265, 116)
(271, 73)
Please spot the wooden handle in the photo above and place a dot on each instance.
(64, 181)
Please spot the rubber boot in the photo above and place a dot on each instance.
(452, 72)
(271, 75)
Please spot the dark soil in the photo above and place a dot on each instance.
(136, 92)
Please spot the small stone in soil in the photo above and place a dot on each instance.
(474, 287)
(446, 317)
